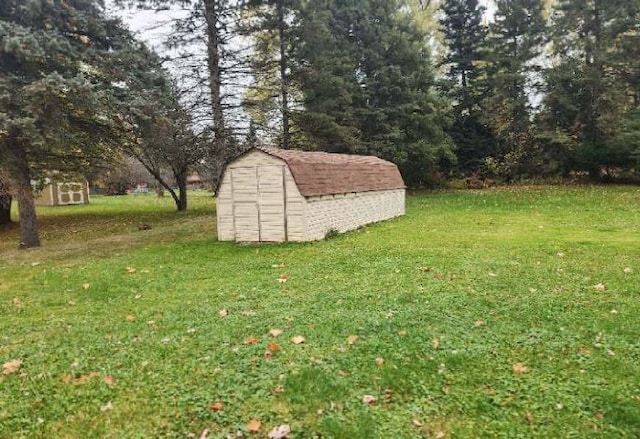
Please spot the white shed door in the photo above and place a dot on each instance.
(271, 204)
(258, 203)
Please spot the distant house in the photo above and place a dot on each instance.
(195, 181)
(275, 195)
(63, 193)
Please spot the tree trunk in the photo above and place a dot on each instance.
(5, 205)
(284, 83)
(27, 210)
(21, 182)
(211, 15)
(181, 180)
(5, 208)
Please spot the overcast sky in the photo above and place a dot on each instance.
(148, 24)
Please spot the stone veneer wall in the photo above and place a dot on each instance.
(344, 212)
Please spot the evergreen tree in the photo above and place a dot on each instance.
(516, 41)
(54, 93)
(269, 25)
(593, 84)
(465, 38)
(367, 80)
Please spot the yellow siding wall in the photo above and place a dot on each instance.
(349, 211)
(240, 205)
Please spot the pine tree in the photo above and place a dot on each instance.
(269, 25)
(367, 80)
(58, 71)
(516, 40)
(465, 38)
(593, 84)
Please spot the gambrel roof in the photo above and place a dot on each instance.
(322, 173)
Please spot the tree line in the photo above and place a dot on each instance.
(543, 88)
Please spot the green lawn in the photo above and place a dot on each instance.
(502, 313)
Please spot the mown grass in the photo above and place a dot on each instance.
(444, 302)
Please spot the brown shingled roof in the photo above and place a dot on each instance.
(323, 173)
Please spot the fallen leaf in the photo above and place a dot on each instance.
(560, 255)
(251, 340)
(217, 406)
(402, 332)
(278, 389)
(280, 432)
(273, 346)
(520, 368)
(248, 313)
(342, 373)
(628, 270)
(379, 361)
(275, 332)
(17, 301)
(278, 266)
(435, 343)
(268, 355)
(254, 426)
(86, 286)
(67, 379)
(478, 323)
(283, 278)
(223, 313)
(369, 399)
(584, 350)
(109, 380)
(131, 270)
(107, 406)
(532, 290)
(298, 339)
(492, 274)
(599, 287)
(599, 414)
(11, 366)
(530, 418)
(85, 378)
(352, 339)
(204, 434)
(440, 435)
(416, 423)
(130, 318)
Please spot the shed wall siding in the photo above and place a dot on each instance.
(349, 211)
(245, 214)
(52, 194)
(224, 209)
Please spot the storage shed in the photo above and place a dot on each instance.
(275, 195)
(63, 193)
